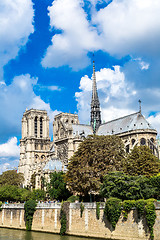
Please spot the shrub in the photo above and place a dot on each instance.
(127, 206)
(150, 216)
(63, 221)
(140, 204)
(98, 210)
(82, 209)
(30, 208)
(112, 210)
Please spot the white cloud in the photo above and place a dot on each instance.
(14, 99)
(121, 28)
(77, 37)
(130, 27)
(114, 91)
(10, 149)
(154, 120)
(16, 24)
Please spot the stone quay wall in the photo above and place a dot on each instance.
(47, 219)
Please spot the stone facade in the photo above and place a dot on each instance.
(35, 142)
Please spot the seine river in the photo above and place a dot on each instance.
(11, 234)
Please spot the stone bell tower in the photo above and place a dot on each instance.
(35, 142)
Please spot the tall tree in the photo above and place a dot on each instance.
(57, 186)
(96, 156)
(11, 177)
(125, 187)
(141, 161)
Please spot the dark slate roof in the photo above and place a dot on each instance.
(82, 130)
(135, 121)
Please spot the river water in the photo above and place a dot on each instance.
(11, 234)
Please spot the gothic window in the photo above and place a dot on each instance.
(35, 126)
(143, 141)
(36, 146)
(41, 127)
(127, 148)
(133, 141)
(41, 146)
(151, 144)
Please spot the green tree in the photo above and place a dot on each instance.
(11, 177)
(155, 181)
(95, 157)
(57, 186)
(38, 194)
(125, 187)
(14, 193)
(141, 161)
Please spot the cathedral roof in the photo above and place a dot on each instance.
(82, 130)
(135, 121)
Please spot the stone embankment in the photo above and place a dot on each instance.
(47, 219)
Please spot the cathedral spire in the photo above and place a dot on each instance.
(95, 104)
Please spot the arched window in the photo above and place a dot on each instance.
(127, 148)
(143, 141)
(41, 127)
(151, 144)
(35, 126)
(133, 141)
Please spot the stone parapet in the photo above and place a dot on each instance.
(47, 218)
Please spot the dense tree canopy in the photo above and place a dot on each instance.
(125, 187)
(11, 177)
(141, 161)
(95, 157)
(57, 187)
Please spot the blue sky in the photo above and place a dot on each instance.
(46, 53)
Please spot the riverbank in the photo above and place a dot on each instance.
(47, 219)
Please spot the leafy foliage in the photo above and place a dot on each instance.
(145, 208)
(38, 194)
(73, 198)
(14, 193)
(63, 221)
(155, 182)
(141, 161)
(125, 187)
(112, 210)
(81, 209)
(57, 187)
(11, 177)
(127, 206)
(150, 216)
(95, 157)
(30, 208)
(98, 210)
(140, 204)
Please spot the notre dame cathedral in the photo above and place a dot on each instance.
(40, 156)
